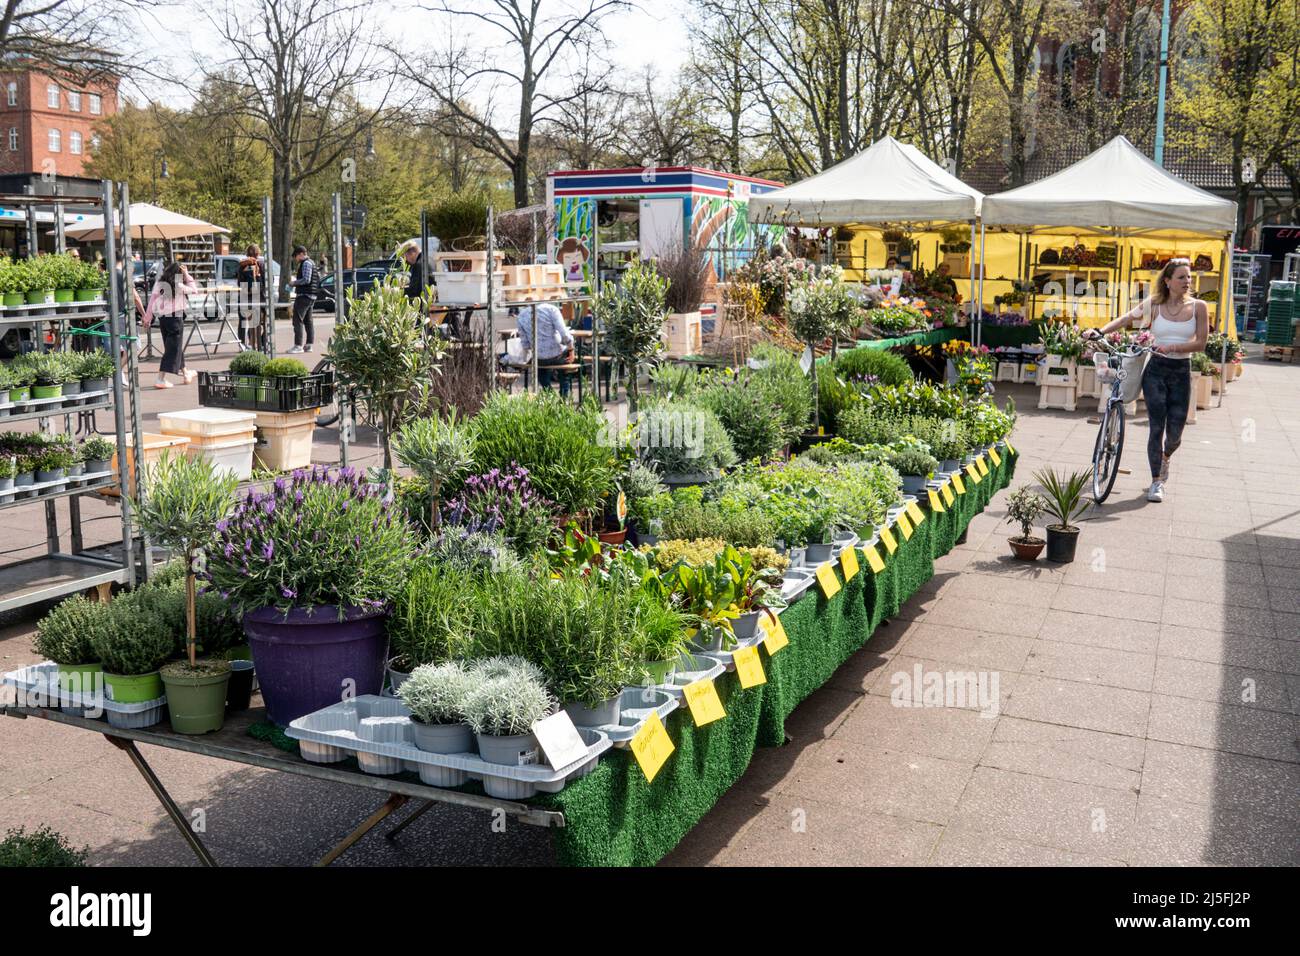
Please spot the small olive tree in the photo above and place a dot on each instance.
(438, 451)
(817, 308)
(632, 314)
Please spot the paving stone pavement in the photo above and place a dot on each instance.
(1146, 710)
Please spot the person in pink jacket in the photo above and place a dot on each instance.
(167, 305)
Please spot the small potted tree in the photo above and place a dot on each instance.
(436, 695)
(1023, 508)
(1063, 500)
(631, 312)
(817, 309)
(438, 451)
(185, 500)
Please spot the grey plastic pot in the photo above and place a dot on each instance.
(714, 645)
(396, 679)
(96, 465)
(818, 553)
(6, 484)
(95, 384)
(518, 750)
(745, 626)
(798, 557)
(949, 465)
(914, 484)
(442, 738)
(55, 475)
(598, 716)
(24, 478)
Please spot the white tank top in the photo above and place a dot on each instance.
(1169, 332)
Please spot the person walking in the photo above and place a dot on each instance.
(306, 285)
(167, 304)
(252, 296)
(1180, 325)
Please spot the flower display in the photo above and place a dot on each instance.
(505, 497)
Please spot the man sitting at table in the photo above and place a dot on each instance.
(554, 342)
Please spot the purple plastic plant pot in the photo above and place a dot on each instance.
(308, 659)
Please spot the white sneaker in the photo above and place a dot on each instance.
(1157, 491)
(295, 350)
(307, 348)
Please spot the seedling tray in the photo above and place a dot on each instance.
(43, 679)
(634, 709)
(378, 731)
(690, 668)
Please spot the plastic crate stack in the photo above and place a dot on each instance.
(1281, 313)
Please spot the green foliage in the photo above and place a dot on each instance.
(64, 635)
(784, 385)
(249, 362)
(1024, 506)
(459, 221)
(757, 427)
(820, 307)
(436, 693)
(432, 616)
(1063, 495)
(641, 485)
(136, 639)
(703, 550)
(42, 847)
(457, 548)
(669, 380)
(632, 311)
(873, 366)
(508, 705)
(98, 448)
(283, 368)
(913, 461)
(93, 364)
(436, 449)
(569, 459)
(184, 500)
(682, 438)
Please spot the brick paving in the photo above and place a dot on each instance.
(1145, 714)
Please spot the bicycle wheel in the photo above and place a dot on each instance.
(330, 415)
(1106, 453)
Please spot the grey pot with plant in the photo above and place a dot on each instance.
(95, 371)
(97, 452)
(8, 468)
(436, 694)
(501, 710)
(1024, 506)
(1063, 501)
(52, 463)
(915, 466)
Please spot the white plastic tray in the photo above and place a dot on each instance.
(690, 668)
(635, 709)
(43, 679)
(378, 732)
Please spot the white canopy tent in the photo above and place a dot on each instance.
(889, 182)
(1117, 188)
(147, 222)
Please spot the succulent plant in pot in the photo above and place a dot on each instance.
(501, 711)
(1063, 500)
(313, 565)
(184, 501)
(64, 636)
(438, 450)
(436, 696)
(1024, 506)
(132, 645)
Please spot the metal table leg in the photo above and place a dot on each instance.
(392, 803)
(128, 747)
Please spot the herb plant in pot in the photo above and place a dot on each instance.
(502, 709)
(1023, 508)
(313, 565)
(1063, 500)
(185, 502)
(95, 370)
(97, 452)
(64, 636)
(52, 463)
(246, 368)
(438, 451)
(684, 441)
(49, 376)
(915, 466)
(436, 695)
(8, 468)
(132, 645)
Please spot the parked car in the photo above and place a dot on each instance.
(225, 270)
(366, 278)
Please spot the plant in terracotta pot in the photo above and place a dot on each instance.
(502, 709)
(631, 311)
(313, 565)
(64, 636)
(1063, 500)
(438, 451)
(1023, 508)
(436, 695)
(132, 646)
(185, 502)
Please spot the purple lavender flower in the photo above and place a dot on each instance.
(268, 551)
(288, 592)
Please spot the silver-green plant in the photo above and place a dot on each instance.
(508, 706)
(438, 450)
(506, 665)
(436, 693)
(134, 641)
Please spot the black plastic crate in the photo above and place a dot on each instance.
(281, 393)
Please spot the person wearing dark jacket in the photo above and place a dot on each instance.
(252, 292)
(305, 284)
(414, 260)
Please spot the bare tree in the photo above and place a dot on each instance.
(666, 130)
(296, 71)
(535, 44)
(77, 38)
(589, 124)
(718, 71)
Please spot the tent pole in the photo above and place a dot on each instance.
(980, 315)
(972, 261)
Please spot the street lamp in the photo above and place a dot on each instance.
(158, 171)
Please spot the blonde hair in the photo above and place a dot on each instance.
(1161, 294)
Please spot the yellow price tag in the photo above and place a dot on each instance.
(979, 463)
(651, 746)
(775, 638)
(703, 700)
(1010, 448)
(904, 526)
(891, 543)
(821, 430)
(827, 579)
(997, 459)
(974, 474)
(749, 668)
(849, 563)
(874, 561)
(958, 484)
(935, 503)
(948, 496)
(915, 513)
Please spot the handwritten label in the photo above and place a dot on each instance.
(704, 703)
(904, 526)
(935, 503)
(974, 474)
(874, 561)
(915, 513)
(948, 496)
(749, 668)
(776, 637)
(559, 739)
(891, 543)
(827, 579)
(958, 484)
(849, 563)
(997, 459)
(651, 746)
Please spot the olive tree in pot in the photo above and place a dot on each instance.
(438, 451)
(502, 708)
(1023, 508)
(436, 695)
(632, 312)
(312, 565)
(816, 309)
(1063, 500)
(184, 505)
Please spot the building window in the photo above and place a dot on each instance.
(12, 92)
(95, 106)
(94, 142)
(74, 101)
(74, 143)
(52, 96)
(13, 139)
(56, 141)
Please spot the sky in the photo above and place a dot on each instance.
(654, 34)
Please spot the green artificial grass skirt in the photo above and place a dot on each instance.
(613, 817)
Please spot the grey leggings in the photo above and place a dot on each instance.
(1167, 388)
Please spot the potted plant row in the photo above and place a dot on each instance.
(50, 375)
(49, 279)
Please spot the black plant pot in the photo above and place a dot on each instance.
(1061, 544)
(239, 691)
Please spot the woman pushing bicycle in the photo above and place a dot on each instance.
(1179, 324)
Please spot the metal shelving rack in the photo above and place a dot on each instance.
(60, 572)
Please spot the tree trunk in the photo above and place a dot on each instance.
(282, 215)
(190, 635)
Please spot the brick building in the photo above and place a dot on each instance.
(47, 130)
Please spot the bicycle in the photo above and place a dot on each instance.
(1124, 385)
